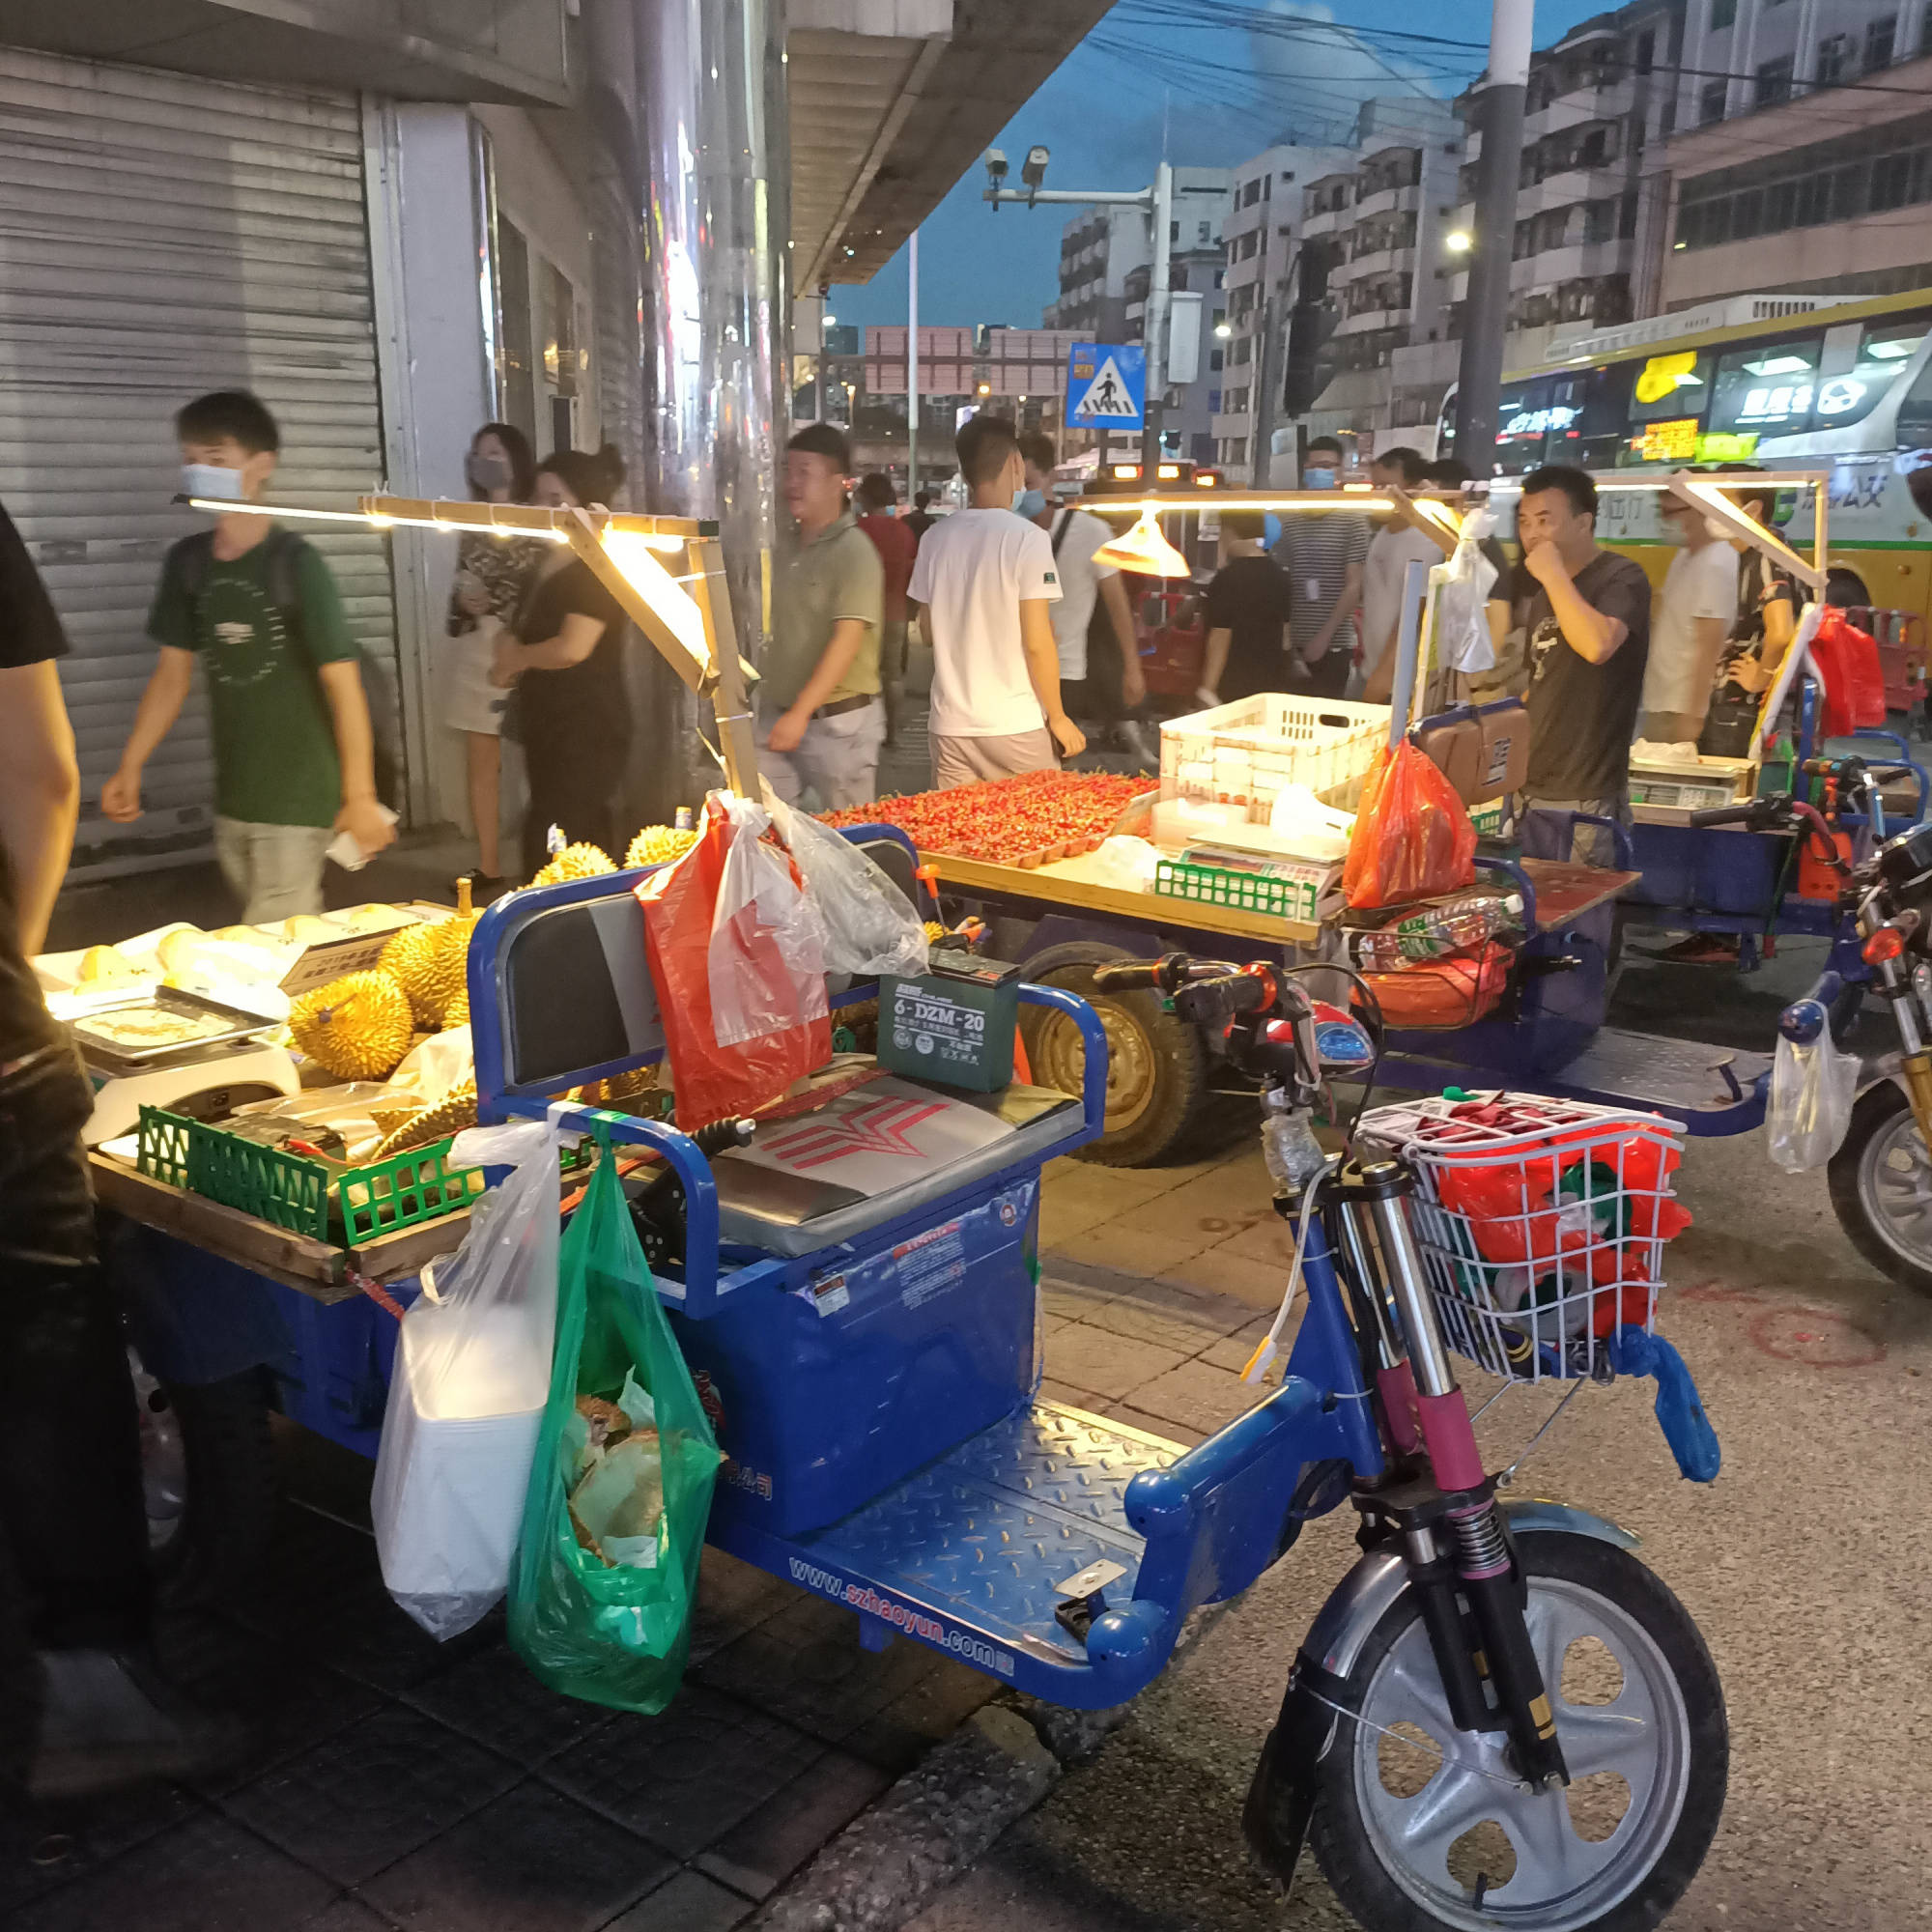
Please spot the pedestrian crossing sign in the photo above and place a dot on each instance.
(1106, 385)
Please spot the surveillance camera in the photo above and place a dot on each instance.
(1033, 170)
(996, 164)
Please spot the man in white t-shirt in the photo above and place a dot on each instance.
(982, 588)
(1100, 678)
(1395, 546)
(1694, 616)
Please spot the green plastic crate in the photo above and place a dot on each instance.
(1241, 892)
(298, 1193)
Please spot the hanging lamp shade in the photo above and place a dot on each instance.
(1144, 548)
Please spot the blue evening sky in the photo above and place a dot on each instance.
(1211, 95)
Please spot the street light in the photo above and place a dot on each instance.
(1458, 242)
(1223, 330)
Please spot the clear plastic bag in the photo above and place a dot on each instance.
(1812, 1090)
(466, 1396)
(762, 918)
(1462, 585)
(871, 925)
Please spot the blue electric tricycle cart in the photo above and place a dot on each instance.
(869, 1349)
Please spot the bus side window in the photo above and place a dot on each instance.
(1915, 413)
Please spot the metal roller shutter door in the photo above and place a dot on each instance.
(162, 236)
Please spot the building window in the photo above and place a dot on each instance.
(1835, 59)
(1724, 14)
(1711, 101)
(1251, 193)
(1213, 402)
(1774, 81)
(1646, 50)
(1879, 43)
(1220, 276)
(1206, 233)
(1214, 358)
(1831, 182)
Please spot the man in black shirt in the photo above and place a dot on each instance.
(80, 1710)
(1587, 625)
(1246, 615)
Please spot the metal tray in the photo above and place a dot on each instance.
(114, 1054)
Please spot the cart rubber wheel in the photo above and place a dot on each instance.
(1881, 1182)
(1156, 1067)
(1420, 1826)
(208, 1469)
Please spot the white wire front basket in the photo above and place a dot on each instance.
(1542, 1223)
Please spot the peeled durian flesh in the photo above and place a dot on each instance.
(104, 966)
(305, 928)
(656, 844)
(575, 862)
(357, 1027)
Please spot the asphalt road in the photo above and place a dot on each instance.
(1804, 1565)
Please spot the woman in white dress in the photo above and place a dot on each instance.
(492, 575)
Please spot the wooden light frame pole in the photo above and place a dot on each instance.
(691, 569)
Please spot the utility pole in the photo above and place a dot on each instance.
(1486, 309)
(1154, 322)
(912, 368)
(1156, 201)
(1267, 389)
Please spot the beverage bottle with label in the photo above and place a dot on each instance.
(1430, 932)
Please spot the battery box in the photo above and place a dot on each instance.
(953, 1024)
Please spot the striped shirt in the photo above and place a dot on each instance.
(1316, 552)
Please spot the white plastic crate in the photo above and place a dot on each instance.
(1541, 1234)
(1242, 753)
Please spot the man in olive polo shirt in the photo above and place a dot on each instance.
(819, 707)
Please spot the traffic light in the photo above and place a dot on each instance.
(1311, 322)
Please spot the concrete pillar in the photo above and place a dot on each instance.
(1739, 96)
(1910, 30)
(1805, 62)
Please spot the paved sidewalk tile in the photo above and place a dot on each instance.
(1111, 1245)
(1187, 1319)
(767, 1847)
(690, 1902)
(1247, 1278)
(685, 1779)
(58, 1844)
(534, 1860)
(1109, 1364)
(349, 1914)
(371, 1793)
(1197, 1396)
(206, 1873)
(493, 1698)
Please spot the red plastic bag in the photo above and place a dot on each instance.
(1451, 992)
(1412, 837)
(1847, 663)
(680, 903)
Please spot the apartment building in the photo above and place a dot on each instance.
(1801, 157)
(1197, 263)
(1263, 232)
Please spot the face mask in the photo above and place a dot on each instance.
(212, 480)
(487, 472)
(1029, 503)
(1674, 531)
(1716, 528)
(1317, 479)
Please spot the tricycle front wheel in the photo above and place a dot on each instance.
(1881, 1181)
(1419, 1826)
(1156, 1068)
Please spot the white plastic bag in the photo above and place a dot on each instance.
(467, 1397)
(757, 896)
(1462, 586)
(1812, 1089)
(870, 927)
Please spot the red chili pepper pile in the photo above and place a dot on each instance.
(1028, 820)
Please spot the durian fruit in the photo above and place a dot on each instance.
(455, 1111)
(457, 1012)
(357, 1027)
(575, 862)
(446, 972)
(656, 844)
(105, 966)
(408, 959)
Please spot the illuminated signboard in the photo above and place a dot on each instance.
(1540, 422)
(1674, 442)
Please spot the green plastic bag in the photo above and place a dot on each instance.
(613, 1632)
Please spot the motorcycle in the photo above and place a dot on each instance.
(1436, 1745)
(1877, 1170)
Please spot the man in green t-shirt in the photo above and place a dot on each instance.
(821, 717)
(293, 752)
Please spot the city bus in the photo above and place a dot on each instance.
(1807, 382)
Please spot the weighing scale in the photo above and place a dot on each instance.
(206, 1077)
